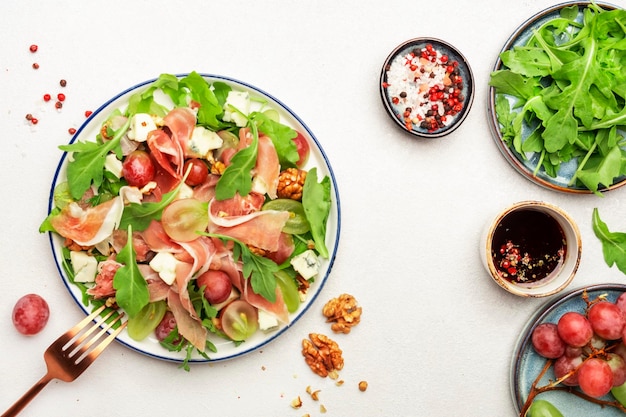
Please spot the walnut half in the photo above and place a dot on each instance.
(323, 355)
(343, 312)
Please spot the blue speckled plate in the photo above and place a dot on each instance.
(527, 166)
(527, 365)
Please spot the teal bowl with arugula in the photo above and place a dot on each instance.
(202, 208)
(557, 100)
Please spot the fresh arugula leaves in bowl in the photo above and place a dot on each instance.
(557, 98)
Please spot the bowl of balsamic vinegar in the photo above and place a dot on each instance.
(532, 249)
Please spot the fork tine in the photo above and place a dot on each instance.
(77, 340)
(80, 325)
(85, 349)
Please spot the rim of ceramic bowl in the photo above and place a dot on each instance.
(469, 86)
(494, 125)
(573, 254)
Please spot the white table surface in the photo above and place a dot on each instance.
(437, 335)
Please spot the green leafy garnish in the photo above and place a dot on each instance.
(139, 215)
(316, 202)
(86, 165)
(564, 92)
(613, 243)
(237, 178)
(258, 269)
(131, 288)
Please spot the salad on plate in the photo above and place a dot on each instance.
(192, 206)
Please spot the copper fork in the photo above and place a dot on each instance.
(72, 353)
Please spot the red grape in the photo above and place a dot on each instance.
(138, 168)
(198, 172)
(595, 377)
(621, 302)
(547, 342)
(217, 286)
(607, 320)
(618, 366)
(165, 327)
(575, 329)
(620, 349)
(30, 314)
(566, 364)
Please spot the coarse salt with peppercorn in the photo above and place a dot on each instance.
(426, 88)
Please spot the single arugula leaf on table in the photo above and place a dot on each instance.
(131, 289)
(613, 243)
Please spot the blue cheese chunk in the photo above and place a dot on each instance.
(202, 142)
(306, 264)
(140, 125)
(267, 322)
(237, 108)
(85, 266)
(164, 263)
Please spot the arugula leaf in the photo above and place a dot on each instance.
(515, 84)
(210, 107)
(613, 243)
(237, 177)
(258, 269)
(144, 102)
(316, 201)
(282, 137)
(131, 289)
(140, 215)
(86, 165)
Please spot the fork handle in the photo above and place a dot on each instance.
(27, 397)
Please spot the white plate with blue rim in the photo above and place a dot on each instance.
(225, 349)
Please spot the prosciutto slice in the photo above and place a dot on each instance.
(166, 152)
(181, 121)
(261, 229)
(190, 328)
(267, 168)
(201, 251)
(157, 240)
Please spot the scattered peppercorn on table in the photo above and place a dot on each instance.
(408, 322)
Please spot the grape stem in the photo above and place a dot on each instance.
(555, 386)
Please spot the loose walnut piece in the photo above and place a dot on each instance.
(343, 312)
(323, 355)
(296, 402)
(290, 184)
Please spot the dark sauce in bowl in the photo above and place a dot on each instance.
(528, 246)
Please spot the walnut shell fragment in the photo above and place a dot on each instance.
(323, 355)
(343, 312)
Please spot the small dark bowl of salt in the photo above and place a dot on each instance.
(427, 87)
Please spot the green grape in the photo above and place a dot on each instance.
(297, 223)
(619, 393)
(140, 326)
(543, 408)
(289, 290)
